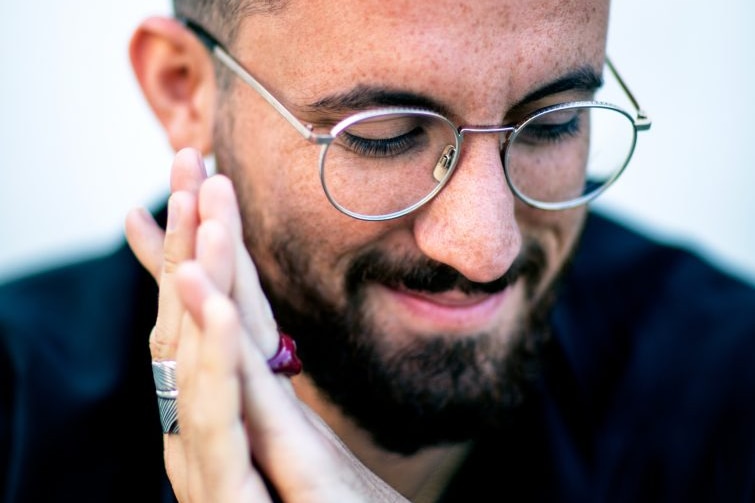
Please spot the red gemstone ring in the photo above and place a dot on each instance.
(285, 361)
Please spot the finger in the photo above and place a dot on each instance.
(186, 475)
(178, 247)
(180, 471)
(300, 455)
(216, 255)
(161, 252)
(145, 237)
(188, 171)
(212, 428)
(143, 234)
(217, 201)
(303, 459)
(173, 324)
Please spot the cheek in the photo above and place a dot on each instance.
(297, 204)
(276, 175)
(556, 231)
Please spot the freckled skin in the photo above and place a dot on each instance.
(418, 335)
(476, 58)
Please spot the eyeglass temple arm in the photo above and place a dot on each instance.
(217, 49)
(642, 122)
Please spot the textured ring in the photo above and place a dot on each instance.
(164, 373)
(285, 361)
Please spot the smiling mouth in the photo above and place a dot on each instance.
(429, 297)
(450, 298)
(450, 312)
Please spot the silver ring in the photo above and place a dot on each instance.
(164, 373)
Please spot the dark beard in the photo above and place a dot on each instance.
(430, 391)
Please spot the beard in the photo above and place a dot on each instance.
(427, 390)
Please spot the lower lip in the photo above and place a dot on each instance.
(438, 313)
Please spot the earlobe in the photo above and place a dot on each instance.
(176, 75)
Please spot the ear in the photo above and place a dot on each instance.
(176, 75)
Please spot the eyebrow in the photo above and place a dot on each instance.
(582, 79)
(363, 97)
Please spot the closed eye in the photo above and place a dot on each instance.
(552, 127)
(384, 147)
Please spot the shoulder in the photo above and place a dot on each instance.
(625, 279)
(74, 368)
(80, 320)
(73, 301)
(661, 345)
(72, 296)
(630, 301)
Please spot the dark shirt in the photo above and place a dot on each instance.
(647, 394)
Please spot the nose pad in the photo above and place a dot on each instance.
(444, 163)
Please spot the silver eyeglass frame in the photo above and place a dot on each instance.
(639, 120)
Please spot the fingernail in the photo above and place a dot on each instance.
(173, 214)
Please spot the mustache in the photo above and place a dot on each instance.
(431, 276)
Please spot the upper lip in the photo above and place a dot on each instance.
(450, 298)
(452, 311)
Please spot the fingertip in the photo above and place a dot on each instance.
(188, 170)
(222, 331)
(189, 155)
(207, 305)
(217, 199)
(217, 186)
(136, 219)
(145, 239)
(190, 274)
(222, 312)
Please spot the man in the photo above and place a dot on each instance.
(454, 334)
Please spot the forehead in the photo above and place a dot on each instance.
(435, 47)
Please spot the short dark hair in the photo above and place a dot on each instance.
(222, 17)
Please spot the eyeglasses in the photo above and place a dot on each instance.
(386, 163)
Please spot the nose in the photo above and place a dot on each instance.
(470, 225)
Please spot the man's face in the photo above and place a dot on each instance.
(426, 314)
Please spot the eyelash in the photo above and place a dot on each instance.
(383, 147)
(538, 133)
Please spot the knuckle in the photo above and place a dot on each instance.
(162, 344)
(174, 253)
(170, 264)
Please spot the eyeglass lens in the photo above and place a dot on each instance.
(389, 162)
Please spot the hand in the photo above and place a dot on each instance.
(238, 420)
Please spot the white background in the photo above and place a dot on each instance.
(80, 147)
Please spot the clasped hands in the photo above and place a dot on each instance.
(240, 424)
